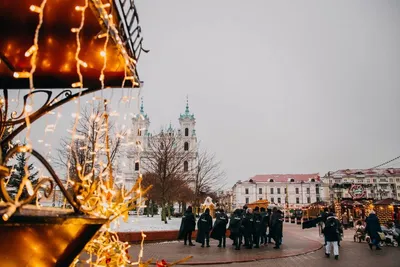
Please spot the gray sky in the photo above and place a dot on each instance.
(276, 86)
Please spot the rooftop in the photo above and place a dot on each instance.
(285, 177)
(368, 172)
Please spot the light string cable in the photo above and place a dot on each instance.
(78, 85)
(32, 51)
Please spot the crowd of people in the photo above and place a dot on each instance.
(248, 227)
(333, 231)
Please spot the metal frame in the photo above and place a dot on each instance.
(126, 38)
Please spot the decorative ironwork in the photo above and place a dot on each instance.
(127, 39)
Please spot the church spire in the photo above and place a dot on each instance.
(141, 106)
(187, 112)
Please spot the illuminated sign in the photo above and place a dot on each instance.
(357, 191)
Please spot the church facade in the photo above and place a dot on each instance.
(136, 147)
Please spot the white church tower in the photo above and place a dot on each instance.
(137, 144)
(187, 130)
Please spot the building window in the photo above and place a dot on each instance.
(398, 180)
(260, 198)
(137, 166)
(278, 190)
(279, 200)
(186, 146)
(390, 180)
(312, 180)
(272, 190)
(292, 180)
(272, 200)
(185, 166)
(271, 180)
(308, 200)
(246, 191)
(297, 200)
(139, 132)
(186, 131)
(285, 190)
(308, 190)
(247, 200)
(297, 190)
(317, 190)
(318, 199)
(374, 180)
(260, 190)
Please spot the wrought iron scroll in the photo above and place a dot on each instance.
(11, 204)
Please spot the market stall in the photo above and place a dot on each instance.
(386, 209)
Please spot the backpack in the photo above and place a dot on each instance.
(331, 226)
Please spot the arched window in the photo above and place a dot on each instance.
(271, 180)
(292, 180)
(185, 166)
(186, 146)
(312, 180)
(186, 131)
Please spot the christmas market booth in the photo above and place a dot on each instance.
(314, 210)
(386, 209)
(263, 203)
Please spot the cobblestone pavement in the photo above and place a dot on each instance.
(294, 243)
(301, 248)
(351, 255)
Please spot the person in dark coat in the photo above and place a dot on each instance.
(187, 227)
(235, 224)
(269, 212)
(257, 227)
(219, 229)
(276, 229)
(204, 226)
(373, 228)
(248, 228)
(331, 233)
(264, 226)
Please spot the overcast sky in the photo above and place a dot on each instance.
(276, 86)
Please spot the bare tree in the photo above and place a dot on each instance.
(209, 178)
(165, 157)
(84, 154)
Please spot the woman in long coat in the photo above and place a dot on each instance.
(187, 226)
(373, 228)
(219, 229)
(276, 230)
(204, 226)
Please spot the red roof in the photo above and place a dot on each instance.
(285, 177)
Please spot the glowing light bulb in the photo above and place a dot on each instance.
(74, 30)
(103, 53)
(80, 8)
(105, 5)
(82, 63)
(23, 74)
(102, 35)
(36, 9)
(138, 191)
(77, 84)
(31, 50)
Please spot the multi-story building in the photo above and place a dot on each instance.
(378, 183)
(136, 147)
(286, 190)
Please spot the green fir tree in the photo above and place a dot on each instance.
(17, 176)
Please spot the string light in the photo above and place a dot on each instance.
(23, 74)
